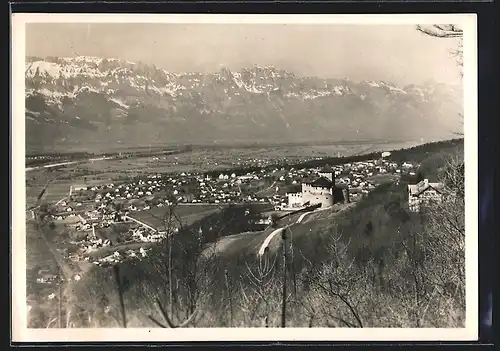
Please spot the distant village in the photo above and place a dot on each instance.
(90, 209)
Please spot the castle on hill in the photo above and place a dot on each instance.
(321, 190)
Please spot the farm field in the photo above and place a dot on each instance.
(59, 183)
(53, 193)
(382, 178)
(188, 214)
(205, 159)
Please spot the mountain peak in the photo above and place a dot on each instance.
(258, 102)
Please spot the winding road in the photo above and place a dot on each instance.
(266, 242)
(268, 239)
(301, 218)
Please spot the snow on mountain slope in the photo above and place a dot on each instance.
(115, 99)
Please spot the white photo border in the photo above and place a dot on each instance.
(20, 332)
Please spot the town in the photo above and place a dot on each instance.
(135, 208)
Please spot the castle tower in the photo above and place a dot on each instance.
(328, 173)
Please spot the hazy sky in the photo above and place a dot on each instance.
(395, 53)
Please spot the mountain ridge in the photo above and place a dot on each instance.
(91, 100)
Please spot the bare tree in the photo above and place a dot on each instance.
(189, 274)
(453, 178)
(264, 286)
(447, 31)
(442, 30)
(169, 226)
(119, 283)
(447, 236)
(431, 258)
(340, 281)
(412, 269)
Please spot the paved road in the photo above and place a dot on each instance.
(301, 218)
(59, 164)
(28, 169)
(263, 190)
(141, 223)
(268, 239)
(266, 242)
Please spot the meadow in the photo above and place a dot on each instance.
(56, 188)
(188, 214)
(214, 158)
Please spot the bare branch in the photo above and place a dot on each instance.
(164, 313)
(441, 31)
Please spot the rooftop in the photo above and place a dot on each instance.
(326, 169)
(321, 182)
(417, 189)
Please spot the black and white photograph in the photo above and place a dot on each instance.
(259, 173)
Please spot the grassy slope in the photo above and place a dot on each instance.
(187, 214)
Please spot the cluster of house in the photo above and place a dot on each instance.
(91, 207)
(91, 244)
(135, 233)
(85, 223)
(160, 191)
(39, 157)
(117, 256)
(85, 216)
(268, 161)
(347, 182)
(45, 276)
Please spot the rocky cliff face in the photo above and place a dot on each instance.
(89, 100)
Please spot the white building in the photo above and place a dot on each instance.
(424, 193)
(327, 172)
(320, 191)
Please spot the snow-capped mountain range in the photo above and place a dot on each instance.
(82, 100)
